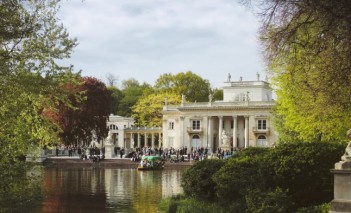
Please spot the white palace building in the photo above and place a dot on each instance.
(241, 119)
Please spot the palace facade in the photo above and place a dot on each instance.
(242, 119)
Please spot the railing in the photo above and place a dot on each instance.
(256, 130)
(224, 104)
(143, 128)
(191, 130)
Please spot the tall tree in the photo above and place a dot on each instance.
(132, 90)
(86, 118)
(308, 50)
(112, 80)
(217, 94)
(116, 97)
(148, 110)
(195, 88)
(31, 43)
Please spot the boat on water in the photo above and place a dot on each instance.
(151, 163)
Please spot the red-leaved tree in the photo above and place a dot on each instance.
(85, 117)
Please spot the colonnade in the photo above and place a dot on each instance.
(235, 130)
(146, 134)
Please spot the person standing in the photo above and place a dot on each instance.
(121, 152)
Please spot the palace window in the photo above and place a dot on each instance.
(113, 127)
(171, 125)
(195, 142)
(196, 125)
(261, 141)
(262, 124)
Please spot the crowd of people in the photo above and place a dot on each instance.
(177, 155)
(83, 152)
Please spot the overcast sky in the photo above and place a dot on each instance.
(143, 39)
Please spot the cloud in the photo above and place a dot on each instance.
(134, 38)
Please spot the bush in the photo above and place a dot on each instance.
(267, 202)
(189, 205)
(301, 170)
(304, 170)
(324, 208)
(241, 174)
(281, 179)
(20, 187)
(197, 180)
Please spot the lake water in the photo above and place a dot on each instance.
(97, 189)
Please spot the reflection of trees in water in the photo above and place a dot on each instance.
(141, 191)
(20, 189)
(149, 191)
(99, 189)
(74, 190)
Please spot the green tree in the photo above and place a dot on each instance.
(217, 94)
(307, 48)
(116, 97)
(148, 109)
(31, 43)
(132, 90)
(191, 85)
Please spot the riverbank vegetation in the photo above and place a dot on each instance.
(307, 49)
(291, 177)
(32, 84)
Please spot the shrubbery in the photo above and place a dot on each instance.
(197, 180)
(304, 170)
(287, 178)
(189, 205)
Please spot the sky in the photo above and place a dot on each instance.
(143, 39)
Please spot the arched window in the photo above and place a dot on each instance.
(113, 127)
(196, 137)
(261, 141)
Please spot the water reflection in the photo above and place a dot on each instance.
(107, 190)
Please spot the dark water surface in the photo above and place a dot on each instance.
(107, 190)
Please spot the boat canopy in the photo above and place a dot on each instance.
(151, 158)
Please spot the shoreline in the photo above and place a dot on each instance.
(106, 163)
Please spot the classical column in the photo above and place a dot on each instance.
(152, 140)
(160, 140)
(220, 129)
(139, 139)
(145, 139)
(246, 131)
(182, 131)
(209, 136)
(235, 124)
(131, 140)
